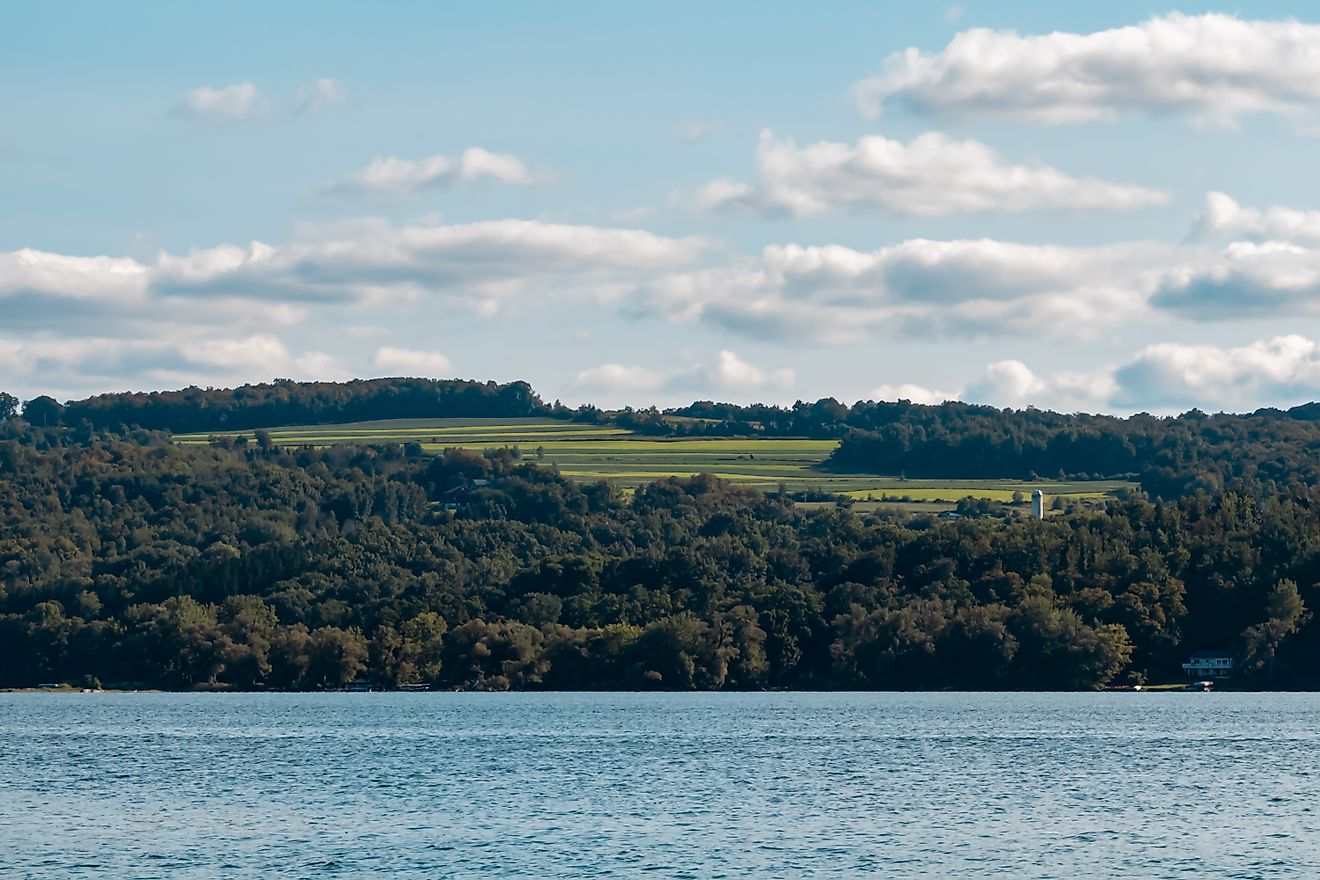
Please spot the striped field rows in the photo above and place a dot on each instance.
(593, 452)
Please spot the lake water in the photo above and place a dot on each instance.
(658, 786)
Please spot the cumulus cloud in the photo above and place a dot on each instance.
(836, 294)
(912, 394)
(244, 101)
(1285, 370)
(317, 95)
(70, 366)
(619, 377)
(818, 294)
(1211, 67)
(1223, 218)
(341, 273)
(1166, 377)
(1013, 383)
(410, 362)
(1244, 279)
(1008, 383)
(482, 265)
(931, 175)
(34, 272)
(233, 103)
(406, 177)
(727, 373)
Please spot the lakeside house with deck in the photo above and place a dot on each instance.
(1209, 664)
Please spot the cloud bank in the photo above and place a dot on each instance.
(727, 373)
(233, 103)
(931, 175)
(791, 293)
(1165, 377)
(1212, 68)
(398, 361)
(405, 177)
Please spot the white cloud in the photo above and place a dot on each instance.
(725, 196)
(219, 306)
(1211, 67)
(1007, 383)
(836, 294)
(226, 104)
(361, 272)
(314, 96)
(931, 175)
(619, 377)
(727, 373)
(1013, 383)
(1166, 377)
(1283, 370)
(1243, 279)
(731, 373)
(260, 349)
(406, 361)
(39, 273)
(406, 177)
(243, 101)
(912, 394)
(73, 366)
(1224, 218)
(481, 265)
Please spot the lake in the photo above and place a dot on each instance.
(486, 786)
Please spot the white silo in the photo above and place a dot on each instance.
(1037, 504)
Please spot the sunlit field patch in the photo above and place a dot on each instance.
(594, 452)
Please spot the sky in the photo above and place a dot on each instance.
(1069, 206)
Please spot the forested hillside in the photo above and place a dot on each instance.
(1265, 452)
(1262, 452)
(297, 403)
(126, 559)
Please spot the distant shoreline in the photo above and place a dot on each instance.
(1161, 688)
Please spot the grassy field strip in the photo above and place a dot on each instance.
(592, 452)
(756, 446)
(464, 434)
(466, 439)
(389, 426)
(651, 476)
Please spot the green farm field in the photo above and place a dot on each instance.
(593, 452)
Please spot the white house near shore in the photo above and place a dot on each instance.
(1209, 664)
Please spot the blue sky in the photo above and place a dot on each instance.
(1024, 204)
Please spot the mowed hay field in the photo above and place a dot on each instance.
(594, 452)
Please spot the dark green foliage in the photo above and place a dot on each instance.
(130, 560)
(1171, 457)
(1265, 451)
(302, 403)
(43, 412)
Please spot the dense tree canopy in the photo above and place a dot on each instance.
(127, 559)
(1265, 451)
(284, 402)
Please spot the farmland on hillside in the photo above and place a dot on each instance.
(595, 452)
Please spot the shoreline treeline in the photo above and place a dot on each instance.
(126, 559)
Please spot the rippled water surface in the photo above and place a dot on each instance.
(631, 785)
